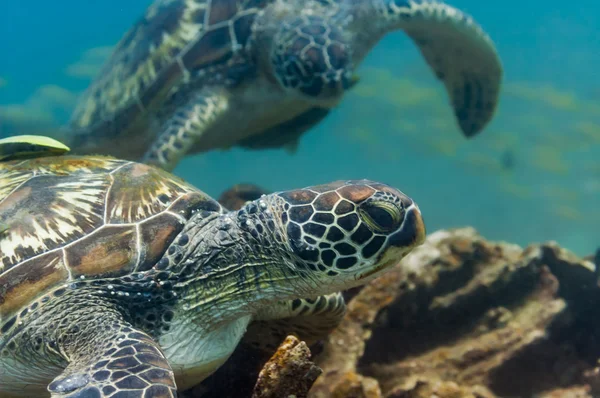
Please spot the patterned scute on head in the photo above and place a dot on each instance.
(347, 226)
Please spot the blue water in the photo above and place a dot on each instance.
(547, 128)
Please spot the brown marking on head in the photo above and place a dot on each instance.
(325, 202)
(299, 196)
(356, 193)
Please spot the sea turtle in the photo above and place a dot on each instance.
(195, 75)
(119, 279)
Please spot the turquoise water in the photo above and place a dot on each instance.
(532, 175)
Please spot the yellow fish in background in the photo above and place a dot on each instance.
(28, 146)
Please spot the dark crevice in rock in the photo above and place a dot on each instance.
(426, 317)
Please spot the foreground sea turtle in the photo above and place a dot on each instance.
(195, 75)
(118, 279)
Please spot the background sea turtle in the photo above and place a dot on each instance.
(194, 75)
(117, 277)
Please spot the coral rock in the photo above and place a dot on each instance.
(462, 317)
(288, 373)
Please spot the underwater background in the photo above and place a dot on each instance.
(532, 175)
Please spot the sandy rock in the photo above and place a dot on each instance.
(289, 372)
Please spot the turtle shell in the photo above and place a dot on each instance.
(174, 39)
(69, 218)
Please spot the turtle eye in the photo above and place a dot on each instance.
(381, 216)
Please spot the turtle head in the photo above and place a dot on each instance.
(293, 244)
(342, 234)
(311, 57)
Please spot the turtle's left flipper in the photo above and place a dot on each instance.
(460, 53)
(308, 319)
(113, 359)
(184, 128)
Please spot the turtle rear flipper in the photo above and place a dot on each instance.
(30, 146)
(185, 128)
(112, 358)
(309, 319)
(460, 54)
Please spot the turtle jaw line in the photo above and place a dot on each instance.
(243, 290)
(392, 257)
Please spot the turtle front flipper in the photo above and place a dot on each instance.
(187, 125)
(460, 53)
(30, 146)
(309, 319)
(117, 360)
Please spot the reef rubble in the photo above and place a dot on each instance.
(458, 317)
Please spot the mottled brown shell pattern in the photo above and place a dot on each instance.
(69, 218)
(174, 39)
